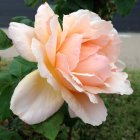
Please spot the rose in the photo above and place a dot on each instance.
(75, 64)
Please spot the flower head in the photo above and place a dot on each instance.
(75, 64)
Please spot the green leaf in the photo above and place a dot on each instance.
(16, 71)
(43, 1)
(64, 133)
(124, 6)
(62, 7)
(6, 90)
(5, 42)
(88, 4)
(7, 85)
(8, 81)
(51, 127)
(6, 134)
(5, 98)
(20, 67)
(5, 80)
(31, 3)
(17, 125)
(23, 19)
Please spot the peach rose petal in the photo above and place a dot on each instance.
(63, 71)
(89, 14)
(72, 21)
(88, 49)
(89, 79)
(112, 49)
(34, 100)
(71, 113)
(52, 40)
(117, 84)
(40, 55)
(106, 36)
(66, 77)
(120, 65)
(101, 27)
(42, 20)
(71, 24)
(92, 97)
(95, 64)
(61, 63)
(71, 49)
(69, 82)
(21, 36)
(82, 107)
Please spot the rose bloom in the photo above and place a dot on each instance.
(75, 64)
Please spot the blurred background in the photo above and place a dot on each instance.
(123, 121)
(10, 9)
(127, 23)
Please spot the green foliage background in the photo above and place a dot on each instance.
(122, 123)
(123, 111)
(105, 8)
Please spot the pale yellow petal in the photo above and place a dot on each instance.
(21, 36)
(34, 100)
